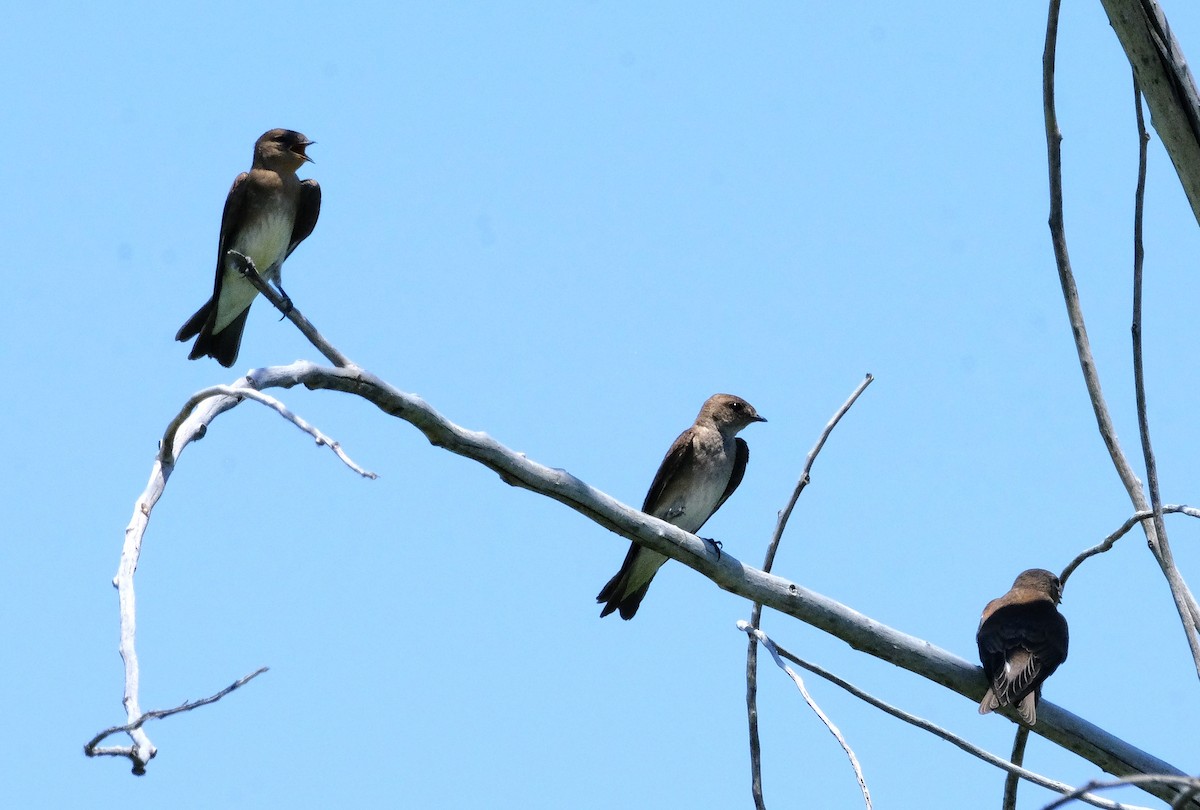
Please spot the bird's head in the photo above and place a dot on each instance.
(281, 149)
(730, 413)
(1042, 581)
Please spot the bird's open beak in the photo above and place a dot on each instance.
(299, 150)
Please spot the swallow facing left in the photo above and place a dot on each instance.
(268, 212)
(1022, 639)
(699, 473)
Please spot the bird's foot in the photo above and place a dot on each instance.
(714, 544)
(285, 306)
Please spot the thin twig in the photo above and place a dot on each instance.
(241, 392)
(1185, 601)
(762, 638)
(332, 354)
(1190, 783)
(935, 729)
(92, 750)
(756, 610)
(1111, 540)
(781, 522)
(1139, 378)
(1020, 740)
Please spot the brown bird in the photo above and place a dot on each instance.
(699, 473)
(1022, 639)
(268, 212)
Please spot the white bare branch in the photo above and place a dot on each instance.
(765, 640)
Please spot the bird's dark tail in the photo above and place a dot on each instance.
(224, 345)
(195, 323)
(615, 594)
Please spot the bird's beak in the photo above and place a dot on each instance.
(760, 418)
(299, 150)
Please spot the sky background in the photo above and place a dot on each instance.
(567, 225)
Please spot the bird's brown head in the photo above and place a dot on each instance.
(281, 149)
(730, 413)
(1042, 581)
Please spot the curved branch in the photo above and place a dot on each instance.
(1108, 542)
(190, 424)
(860, 632)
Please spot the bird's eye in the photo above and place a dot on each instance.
(737, 406)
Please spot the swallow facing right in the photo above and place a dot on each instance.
(699, 473)
(268, 212)
(1022, 639)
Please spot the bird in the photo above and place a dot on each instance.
(698, 474)
(1022, 640)
(269, 211)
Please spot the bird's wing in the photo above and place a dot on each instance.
(308, 208)
(1020, 645)
(680, 454)
(735, 476)
(234, 203)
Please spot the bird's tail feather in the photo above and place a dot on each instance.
(195, 323)
(224, 345)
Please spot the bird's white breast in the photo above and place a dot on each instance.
(265, 241)
(688, 503)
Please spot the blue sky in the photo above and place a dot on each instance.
(567, 226)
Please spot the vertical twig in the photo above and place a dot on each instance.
(762, 638)
(1018, 759)
(756, 611)
(1139, 380)
(1185, 602)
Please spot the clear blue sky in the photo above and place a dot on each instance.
(567, 225)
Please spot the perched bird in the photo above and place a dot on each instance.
(699, 473)
(268, 212)
(1022, 639)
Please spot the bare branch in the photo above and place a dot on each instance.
(781, 523)
(1186, 796)
(756, 611)
(188, 425)
(864, 634)
(263, 399)
(1020, 740)
(139, 767)
(1111, 540)
(246, 268)
(1163, 551)
(1189, 783)
(762, 638)
(867, 635)
(935, 729)
(1162, 73)
(1185, 602)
